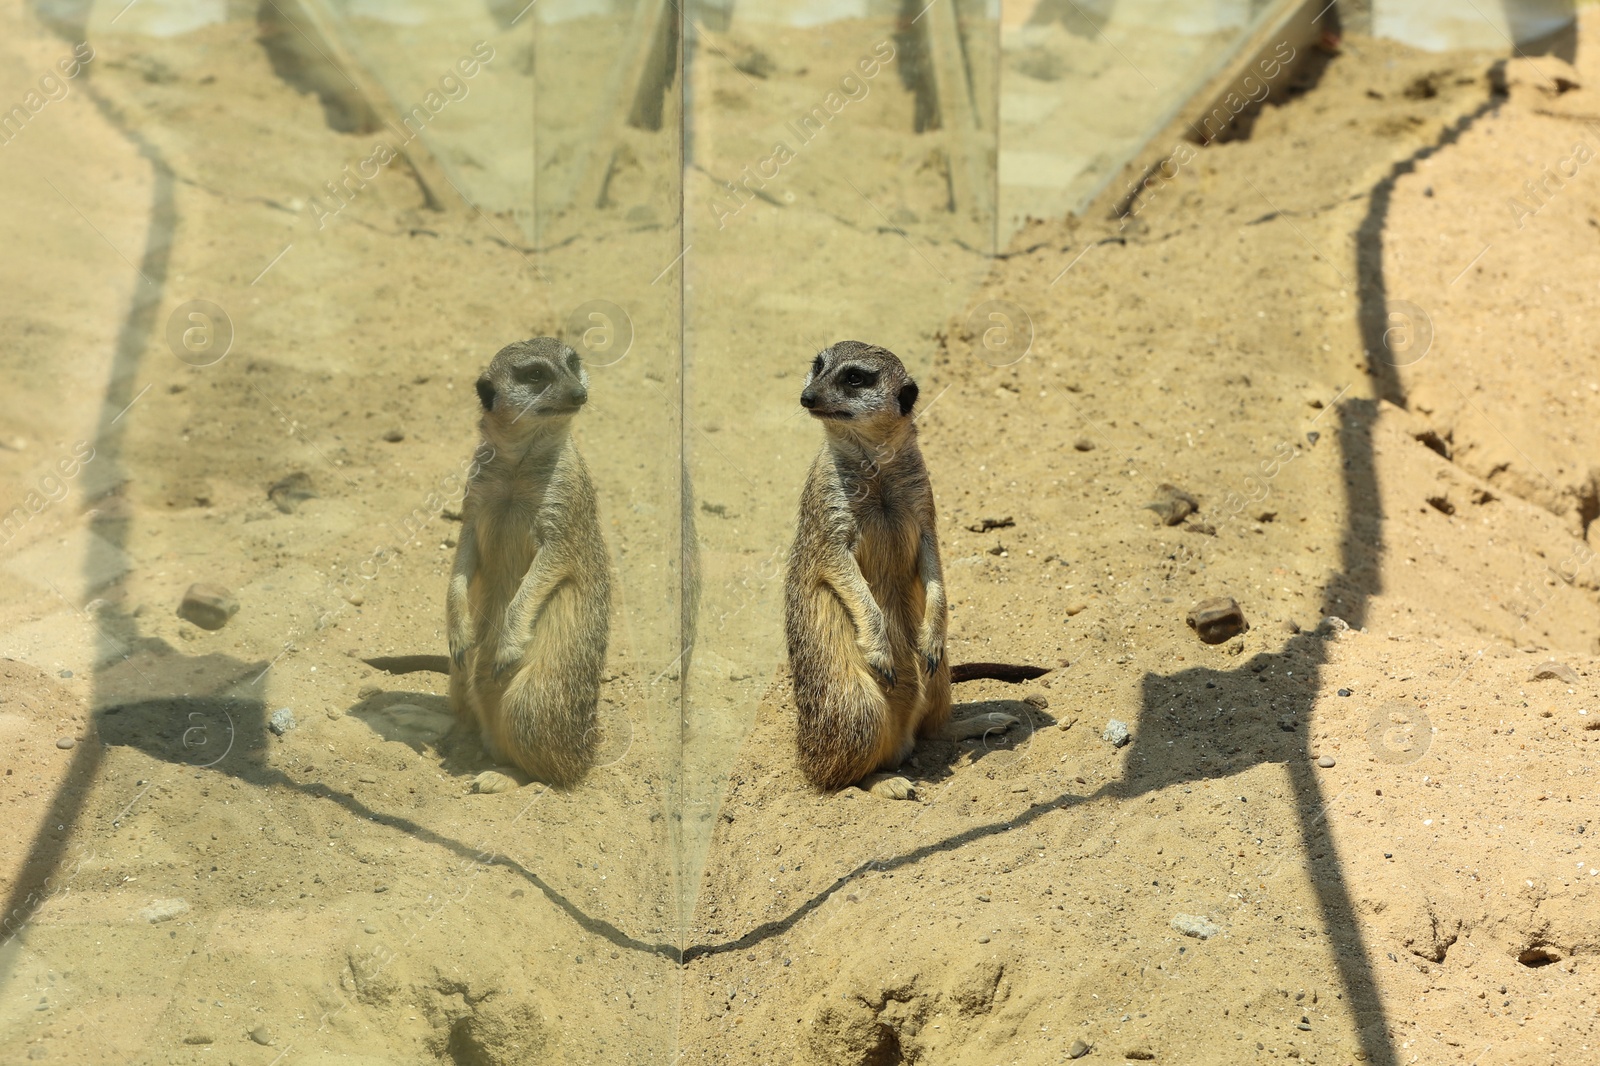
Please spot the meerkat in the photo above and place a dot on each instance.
(529, 599)
(865, 608)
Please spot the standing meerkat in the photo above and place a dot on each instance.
(864, 599)
(530, 594)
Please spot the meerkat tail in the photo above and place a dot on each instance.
(1014, 675)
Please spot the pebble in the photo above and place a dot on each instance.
(261, 1035)
(1173, 505)
(394, 436)
(287, 494)
(1079, 1049)
(983, 939)
(1076, 608)
(1139, 1054)
(1326, 762)
(1334, 625)
(1195, 926)
(1554, 671)
(282, 721)
(1068, 723)
(366, 692)
(1216, 620)
(199, 1038)
(1344, 692)
(164, 910)
(1083, 444)
(208, 606)
(65, 743)
(65, 673)
(1116, 733)
(1036, 701)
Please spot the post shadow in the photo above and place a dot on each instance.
(1262, 714)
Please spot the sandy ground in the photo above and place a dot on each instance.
(1339, 334)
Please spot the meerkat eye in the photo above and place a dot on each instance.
(572, 362)
(856, 378)
(816, 366)
(537, 374)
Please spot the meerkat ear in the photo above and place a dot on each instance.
(486, 393)
(908, 397)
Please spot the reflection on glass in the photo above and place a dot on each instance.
(271, 248)
(530, 593)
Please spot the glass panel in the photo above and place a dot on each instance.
(267, 252)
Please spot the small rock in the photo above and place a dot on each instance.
(199, 1038)
(1333, 625)
(1327, 762)
(394, 436)
(1173, 505)
(208, 606)
(1076, 608)
(282, 721)
(983, 897)
(261, 1035)
(1037, 701)
(1083, 444)
(1195, 926)
(1554, 671)
(1344, 692)
(1078, 1049)
(65, 742)
(983, 939)
(366, 692)
(368, 779)
(1116, 733)
(1205, 528)
(287, 494)
(164, 910)
(1139, 1054)
(1068, 723)
(65, 673)
(1216, 620)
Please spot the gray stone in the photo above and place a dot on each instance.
(1326, 762)
(208, 606)
(1195, 926)
(1116, 733)
(1079, 1049)
(164, 910)
(65, 742)
(1173, 505)
(1554, 671)
(282, 721)
(261, 1035)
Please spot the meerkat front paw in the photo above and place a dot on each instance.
(491, 781)
(460, 644)
(931, 646)
(506, 659)
(890, 786)
(979, 725)
(882, 664)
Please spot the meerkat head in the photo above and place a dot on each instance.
(859, 389)
(532, 388)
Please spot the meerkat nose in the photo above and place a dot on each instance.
(578, 396)
(808, 400)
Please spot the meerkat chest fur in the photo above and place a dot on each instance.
(510, 505)
(888, 500)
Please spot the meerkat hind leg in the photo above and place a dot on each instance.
(889, 786)
(500, 779)
(979, 725)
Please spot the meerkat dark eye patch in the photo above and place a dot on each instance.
(817, 365)
(907, 397)
(856, 378)
(533, 374)
(486, 393)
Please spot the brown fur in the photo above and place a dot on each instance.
(865, 608)
(530, 592)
